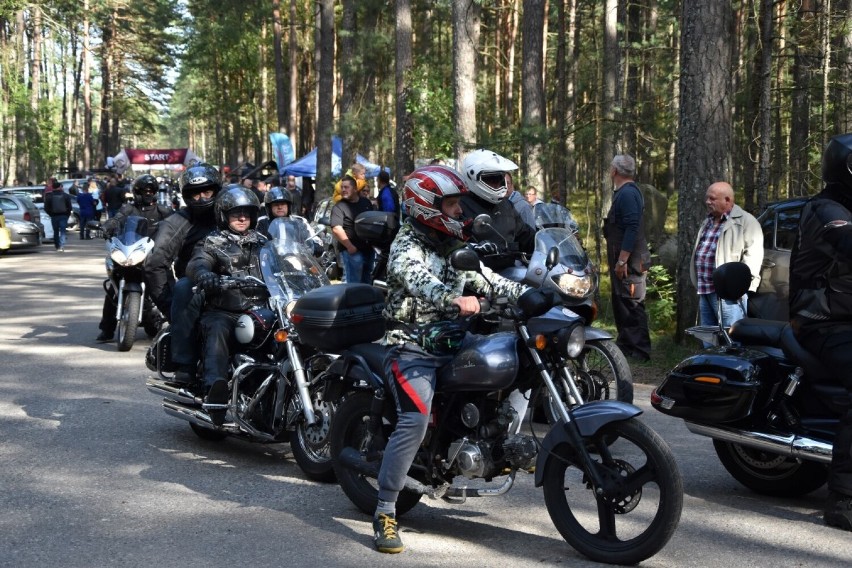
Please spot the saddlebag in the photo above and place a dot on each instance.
(377, 228)
(334, 317)
(716, 385)
(159, 355)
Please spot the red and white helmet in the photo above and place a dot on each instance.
(424, 193)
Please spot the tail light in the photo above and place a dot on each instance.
(27, 216)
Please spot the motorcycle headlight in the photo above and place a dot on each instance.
(118, 257)
(575, 286)
(136, 257)
(576, 342)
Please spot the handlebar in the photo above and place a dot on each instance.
(236, 282)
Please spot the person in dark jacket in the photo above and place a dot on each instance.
(484, 173)
(57, 204)
(821, 304)
(86, 202)
(144, 205)
(232, 250)
(174, 243)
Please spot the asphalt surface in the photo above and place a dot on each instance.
(94, 473)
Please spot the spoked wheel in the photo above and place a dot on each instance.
(769, 473)
(349, 429)
(129, 321)
(310, 445)
(641, 504)
(602, 373)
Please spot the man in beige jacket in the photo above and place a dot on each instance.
(729, 234)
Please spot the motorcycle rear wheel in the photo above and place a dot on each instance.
(129, 321)
(768, 473)
(602, 373)
(310, 444)
(349, 429)
(642, 513)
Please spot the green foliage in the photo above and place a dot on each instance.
(431, 106)
(661, 300)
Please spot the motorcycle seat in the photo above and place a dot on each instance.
(814, 369)
(754, 331)
(373, 354)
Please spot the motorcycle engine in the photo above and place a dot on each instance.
(474, 459)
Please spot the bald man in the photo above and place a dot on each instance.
(729, 234)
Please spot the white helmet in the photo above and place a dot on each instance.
(492, 167)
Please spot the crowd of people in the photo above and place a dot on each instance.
(220, 230)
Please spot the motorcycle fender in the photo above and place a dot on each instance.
(595, 334)
(343, 373)
(589, 418)
(132, 287)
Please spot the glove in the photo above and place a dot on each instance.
(209, 282)
(535, 302)
(486, 248)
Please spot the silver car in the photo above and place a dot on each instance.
(21, 208)
(23, 234)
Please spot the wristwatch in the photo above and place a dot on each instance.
(621, 262)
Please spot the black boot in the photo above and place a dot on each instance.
(217, 394)
(838, 513)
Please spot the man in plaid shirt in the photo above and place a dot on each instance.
(730, 234)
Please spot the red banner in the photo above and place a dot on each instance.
(153, 157)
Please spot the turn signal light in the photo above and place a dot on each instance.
(540, 342)
(708, 380)
(281, 336)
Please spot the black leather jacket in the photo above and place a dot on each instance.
(518, 236)
(228, 254)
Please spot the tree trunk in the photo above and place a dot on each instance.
(609, 103)
(280, 78)
(107, 37)
(349, 72)
(843, 108)
(404, 153)
(532, 98)
(465, 43)
(326, 101)
(703, 142)
(293, 122)
(800, 113)
(35, 86)
(767, 18)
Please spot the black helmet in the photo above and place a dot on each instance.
(236, 197)
(145, 190)
(196, 179)
(837, 161)
(277, 195)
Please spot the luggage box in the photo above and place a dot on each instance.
(377, 228)
(715, 386)
(334, 317)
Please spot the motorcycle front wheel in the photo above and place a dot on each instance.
(640, 511)
(602, 373)
(349, 429)
(129, 320)
(310, 443)
(768, 473)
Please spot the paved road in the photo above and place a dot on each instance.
(93, 473)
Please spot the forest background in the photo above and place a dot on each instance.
(747, 91)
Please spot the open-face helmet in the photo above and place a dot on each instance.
(236, 197)
(277, 195)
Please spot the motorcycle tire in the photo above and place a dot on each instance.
(207, 433)
(310, 444)
(349, 429)
(129, 320)
(602, 372)
(769, 473)
(643, 512)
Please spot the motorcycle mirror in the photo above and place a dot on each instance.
(465, 259)
(552, 258)
(482, 229)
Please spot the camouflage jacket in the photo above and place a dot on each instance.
(422, 285)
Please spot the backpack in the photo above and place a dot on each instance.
(58, 203)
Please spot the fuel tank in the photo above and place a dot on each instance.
(487, 363)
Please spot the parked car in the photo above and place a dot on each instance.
(23, 234)
(36, 194)
(780, 223)
(20, 207)
(5, 235)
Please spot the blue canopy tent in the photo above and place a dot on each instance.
(306, 166)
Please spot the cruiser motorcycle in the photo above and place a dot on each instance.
(771, 408)
(611, 484)
(601, 371)
(276, 395)
(125, 282)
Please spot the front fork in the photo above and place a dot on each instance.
(120, 302)
(301, 376)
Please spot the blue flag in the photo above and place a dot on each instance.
(283, 149)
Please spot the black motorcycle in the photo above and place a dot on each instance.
(771, 408)
(276, 395)
(611, 485)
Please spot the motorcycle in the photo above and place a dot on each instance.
(276, 395)
(597, 464)
(601, 371)
(125, 282)
(771, 408)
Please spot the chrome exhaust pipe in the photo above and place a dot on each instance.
(171, 391)
(198, 417)
(800, 447)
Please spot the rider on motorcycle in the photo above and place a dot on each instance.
(278, 202)
(821, 302)
(173, 245)
(485, 174)
(233, 250)
(423, 288)
(145, 205)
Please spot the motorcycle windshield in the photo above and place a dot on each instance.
(554, 215)
(134, 229)
(288, 268)
(571, 253)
